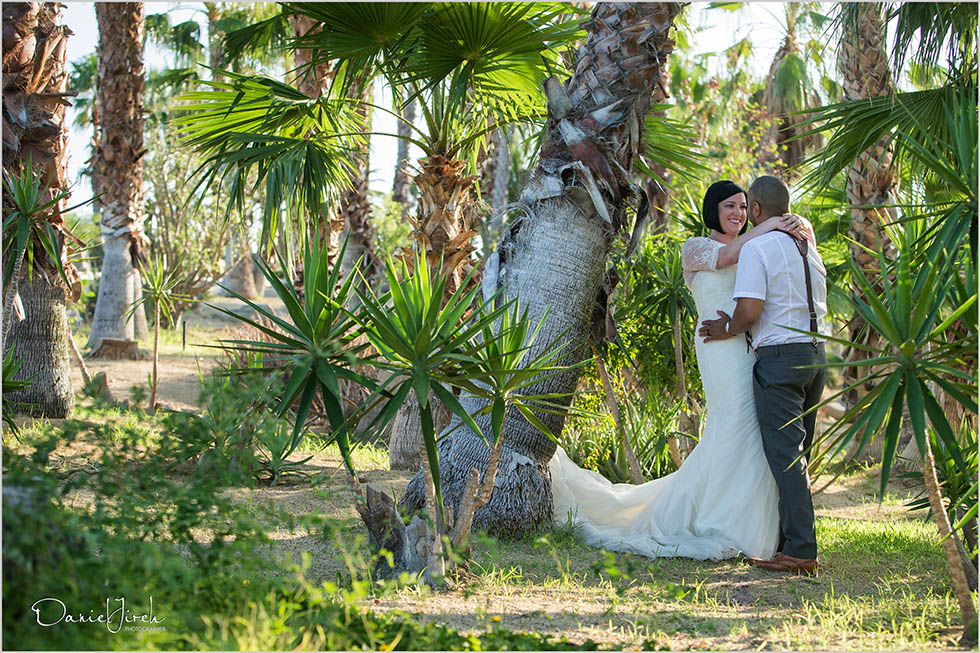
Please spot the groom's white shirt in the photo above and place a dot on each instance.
(770, 269)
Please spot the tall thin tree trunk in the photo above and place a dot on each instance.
(117, 164)
(400, 185)
(554, 256)
(77, 355)
(314, 82)
(156, 356)
(968, 610)
(636, 472)
(140, 329)
(355, 208)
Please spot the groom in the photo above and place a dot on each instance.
(774, 289)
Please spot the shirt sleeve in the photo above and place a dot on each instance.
(699, 254)
(750, 277)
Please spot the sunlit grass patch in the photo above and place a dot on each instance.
(895, 618)
(364, 455)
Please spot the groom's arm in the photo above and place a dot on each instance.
(747, 311)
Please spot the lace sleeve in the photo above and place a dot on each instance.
(699, 254)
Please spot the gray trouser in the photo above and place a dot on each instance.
(783, 392)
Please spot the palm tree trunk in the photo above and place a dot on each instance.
(34, 100)
(871, 181)
(42, 339)
(115, 292)
(446, 216)
(355, 208)
(443, 226)
(117, 165)
(314, 81)
(554, 256)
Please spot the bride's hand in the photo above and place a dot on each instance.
(796, 226)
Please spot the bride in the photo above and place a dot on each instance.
(722, 501)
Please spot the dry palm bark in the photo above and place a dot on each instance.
(34, 101)
(445, 220)
(117, 166)
(554, 255)
(872, 181)
(494, 167)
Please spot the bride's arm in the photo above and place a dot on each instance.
(728, 255)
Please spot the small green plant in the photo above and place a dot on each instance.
(11, 365)
(274, 444)
(32, 233)
(426, 344)
(158, 288)
(315, 345)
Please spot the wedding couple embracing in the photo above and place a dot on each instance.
(744, 489)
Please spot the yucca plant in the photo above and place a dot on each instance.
(423, 343)
(158, 289)
(315, 343)
(478, 345)
(425, 339)
(917, 355)
(31, 231)
(498, 372)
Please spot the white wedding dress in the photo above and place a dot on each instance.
(723, 499)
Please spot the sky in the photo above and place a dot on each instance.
(719, 30)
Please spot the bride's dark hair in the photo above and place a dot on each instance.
(717, 193)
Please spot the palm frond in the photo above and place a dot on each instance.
(241, 38)
(672, 144)
(300, 147)
(930, 25)
(914, 123)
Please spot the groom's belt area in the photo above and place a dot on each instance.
(788, 349)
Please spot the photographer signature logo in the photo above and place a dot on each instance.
(115, 617)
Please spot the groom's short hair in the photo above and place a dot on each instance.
(771, 194)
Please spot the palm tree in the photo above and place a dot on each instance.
(871, 180)
(117, 167)
(34, 140)
(473, 66)
(554, 255)
(788, 89)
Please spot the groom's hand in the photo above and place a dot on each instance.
(716, 329)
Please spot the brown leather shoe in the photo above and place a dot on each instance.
(783, 562)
